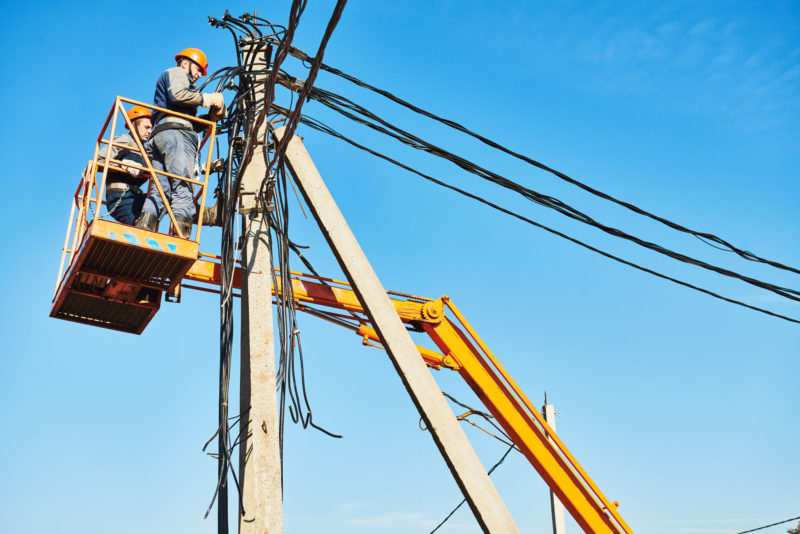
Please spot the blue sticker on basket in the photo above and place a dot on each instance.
(153, 244)
(131, 239)
(171, 247)
(113, 236)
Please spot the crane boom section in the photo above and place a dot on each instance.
(523, 423)
(462, 350)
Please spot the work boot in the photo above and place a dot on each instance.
(185, 226)
(147, 221)
(212, 215)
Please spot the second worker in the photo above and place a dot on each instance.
(173, 143)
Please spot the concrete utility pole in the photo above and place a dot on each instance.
(259, 447)
(489, 509)
(556, 508)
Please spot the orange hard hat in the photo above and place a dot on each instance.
(196, 55)
(137, 112)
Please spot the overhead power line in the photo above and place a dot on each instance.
(705, 236)
(341, 105)
(294, 117)
(770, 525)
(298, 6)
(312, 123)
(495, 466)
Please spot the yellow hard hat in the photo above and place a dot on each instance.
(196, 55)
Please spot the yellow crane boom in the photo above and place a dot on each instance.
(462, 350)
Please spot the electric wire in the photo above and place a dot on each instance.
(484, 415)
(342, 105)
(292, 390)
(237, 119)
(487, 417)
(247, 113)
(316, 125)
(273, 186)
(770, 525)
(489, 472)
(294, 117)
(705, 236)
(297, 8)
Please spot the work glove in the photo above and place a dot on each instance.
(216, 166)
(133, 171)
(213, 100)
(217, 114)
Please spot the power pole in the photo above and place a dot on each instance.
(556, 508)
(259, 445)
(478, 489)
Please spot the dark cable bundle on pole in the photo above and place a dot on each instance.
(274, 186)
(241, 117)
(247, 114)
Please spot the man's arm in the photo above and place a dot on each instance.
(101, 157)
(180, 90)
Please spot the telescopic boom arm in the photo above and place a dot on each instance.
(461, 350)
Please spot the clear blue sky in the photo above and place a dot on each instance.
(681, 407)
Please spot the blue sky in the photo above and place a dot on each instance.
(681, 407)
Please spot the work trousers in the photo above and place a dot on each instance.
(125, 206)
(173, 151)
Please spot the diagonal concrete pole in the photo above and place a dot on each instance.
(489, 509)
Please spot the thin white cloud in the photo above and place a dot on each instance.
(693, 59)
(391, 520)
(704, 526)
(349, 506)
(707, 530)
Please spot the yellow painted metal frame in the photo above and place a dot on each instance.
(526, 426)
(465, 352)
(88, 196)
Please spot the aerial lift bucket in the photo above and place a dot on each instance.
(111, 274)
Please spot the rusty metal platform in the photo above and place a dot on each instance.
(116, 277)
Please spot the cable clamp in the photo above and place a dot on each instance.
(251, 211)
(256, 210)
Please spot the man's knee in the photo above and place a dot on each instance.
(183, 203)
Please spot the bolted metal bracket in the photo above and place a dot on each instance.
(433, 311)
(252, 212)
(173, 296)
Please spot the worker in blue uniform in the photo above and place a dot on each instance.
(173, 142)
(124, 198)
